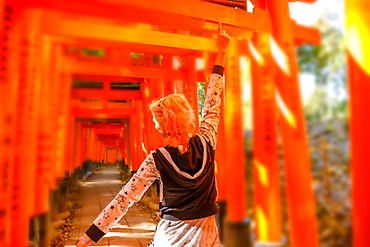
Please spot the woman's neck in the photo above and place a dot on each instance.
(182, 148)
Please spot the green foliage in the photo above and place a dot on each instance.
(201, 97)
(327, 62)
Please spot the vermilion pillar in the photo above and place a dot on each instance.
(78, 145)
(53, 115)
(128, 144)
(156, 89)
(102, 152)
(7, 96)
(136, 136)
(45, 131)
(121, 145)
(236, 198)
(63, 94)
(236, 233)
(133, 143)
(91, 144)
(267, 203)
(69, 141)
(169, 86)
(140, 141)
(146, 96)
(357, 42)
(300, 197)
(83, 144)
(23, 177)
(10, 43)
(68, 127)
(220, 156)
(192, 85)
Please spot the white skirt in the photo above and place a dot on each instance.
(186, 233)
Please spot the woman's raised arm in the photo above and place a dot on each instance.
(211, 109)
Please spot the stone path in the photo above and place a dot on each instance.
(136, 228)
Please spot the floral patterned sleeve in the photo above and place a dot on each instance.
(130, 193)
(211, 109)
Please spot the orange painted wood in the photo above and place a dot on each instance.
(58, 26)
(169, 84)
(126, 136)
(45, 139)
(156, 87)
(70, 125)
(191, 85)
(99, 94)
(199, 14)
(8, 100)
(303, 34)
(102, 114)
(267, 201)
(236, 193)
(147, 99)
(106, 131)
(139, 134)
(357, 39)
(220, 156)
(77, 144)
(133, 143)
(52, 115)
(300, 197)
(359, 84)
(104, 153)
(23, 177)
(6, 147)
(63, 111)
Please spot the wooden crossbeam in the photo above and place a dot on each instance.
(92, 68)
(108, 137)
(184, 13)
(53, 24)
(108, 131)
(103, 113)
(124, 46)
(304, 34)
(84, 93)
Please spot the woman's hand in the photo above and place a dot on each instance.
(223, 41)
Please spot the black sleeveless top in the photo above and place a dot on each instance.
(188, 181)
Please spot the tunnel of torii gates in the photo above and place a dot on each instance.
(76, 79)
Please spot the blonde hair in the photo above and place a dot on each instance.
(176, 119)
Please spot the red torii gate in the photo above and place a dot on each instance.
(357, 40)
(239, 214)
(35, 37)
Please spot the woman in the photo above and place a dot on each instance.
(185, 169)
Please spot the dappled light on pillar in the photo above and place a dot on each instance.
(279, 56)
(286, 112)
(255, 53)
(357, 34)
(77, 79)
(263, 225)
(357, 43)
(262, 173)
